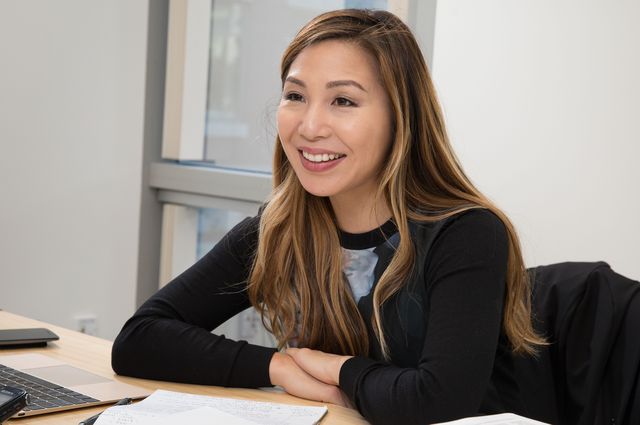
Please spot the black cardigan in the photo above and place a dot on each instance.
(448, 355)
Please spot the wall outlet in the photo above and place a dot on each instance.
(87, 324)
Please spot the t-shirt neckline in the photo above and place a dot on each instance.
(368, 239)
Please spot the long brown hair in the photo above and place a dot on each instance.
(296, 281)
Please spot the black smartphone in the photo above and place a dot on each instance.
(12, 400)
(32, 337)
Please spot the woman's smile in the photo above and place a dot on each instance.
(319, 159)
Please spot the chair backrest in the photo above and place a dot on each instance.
(590, 372)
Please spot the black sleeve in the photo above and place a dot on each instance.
(465, 278)
(169, 337)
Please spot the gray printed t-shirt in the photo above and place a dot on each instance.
(358, 267)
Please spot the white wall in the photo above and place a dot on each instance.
(71, 121)
(542, 98)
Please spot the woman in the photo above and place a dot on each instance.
(402, 286)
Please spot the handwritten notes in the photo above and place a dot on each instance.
(172, 407)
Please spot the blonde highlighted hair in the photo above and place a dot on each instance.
(296, 281)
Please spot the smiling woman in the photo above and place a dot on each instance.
(334, 124)
(394, 285)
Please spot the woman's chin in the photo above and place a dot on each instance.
(319, 193)
(316, 190)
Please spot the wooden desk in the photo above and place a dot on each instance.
(94, 355)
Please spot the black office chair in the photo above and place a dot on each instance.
(590, 372)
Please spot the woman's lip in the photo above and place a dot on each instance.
(319, 166)
(316, 151)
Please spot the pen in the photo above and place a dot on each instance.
(92, 419)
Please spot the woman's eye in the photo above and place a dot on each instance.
(343, 101)
(293, 96)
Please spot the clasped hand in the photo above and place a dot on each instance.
(310, 374)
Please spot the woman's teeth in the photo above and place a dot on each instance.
(321, 157)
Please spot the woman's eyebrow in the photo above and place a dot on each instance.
(330, 84)
(338, 83)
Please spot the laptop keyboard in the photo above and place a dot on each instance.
(43, 394)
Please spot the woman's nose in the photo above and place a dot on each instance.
(314, 124)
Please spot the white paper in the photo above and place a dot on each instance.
(200, 416)
(501, 419)
(162, 403)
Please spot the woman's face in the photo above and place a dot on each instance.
(334, 120)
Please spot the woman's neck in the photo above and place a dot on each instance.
(359, 214)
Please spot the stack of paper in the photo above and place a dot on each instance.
(168, 407)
